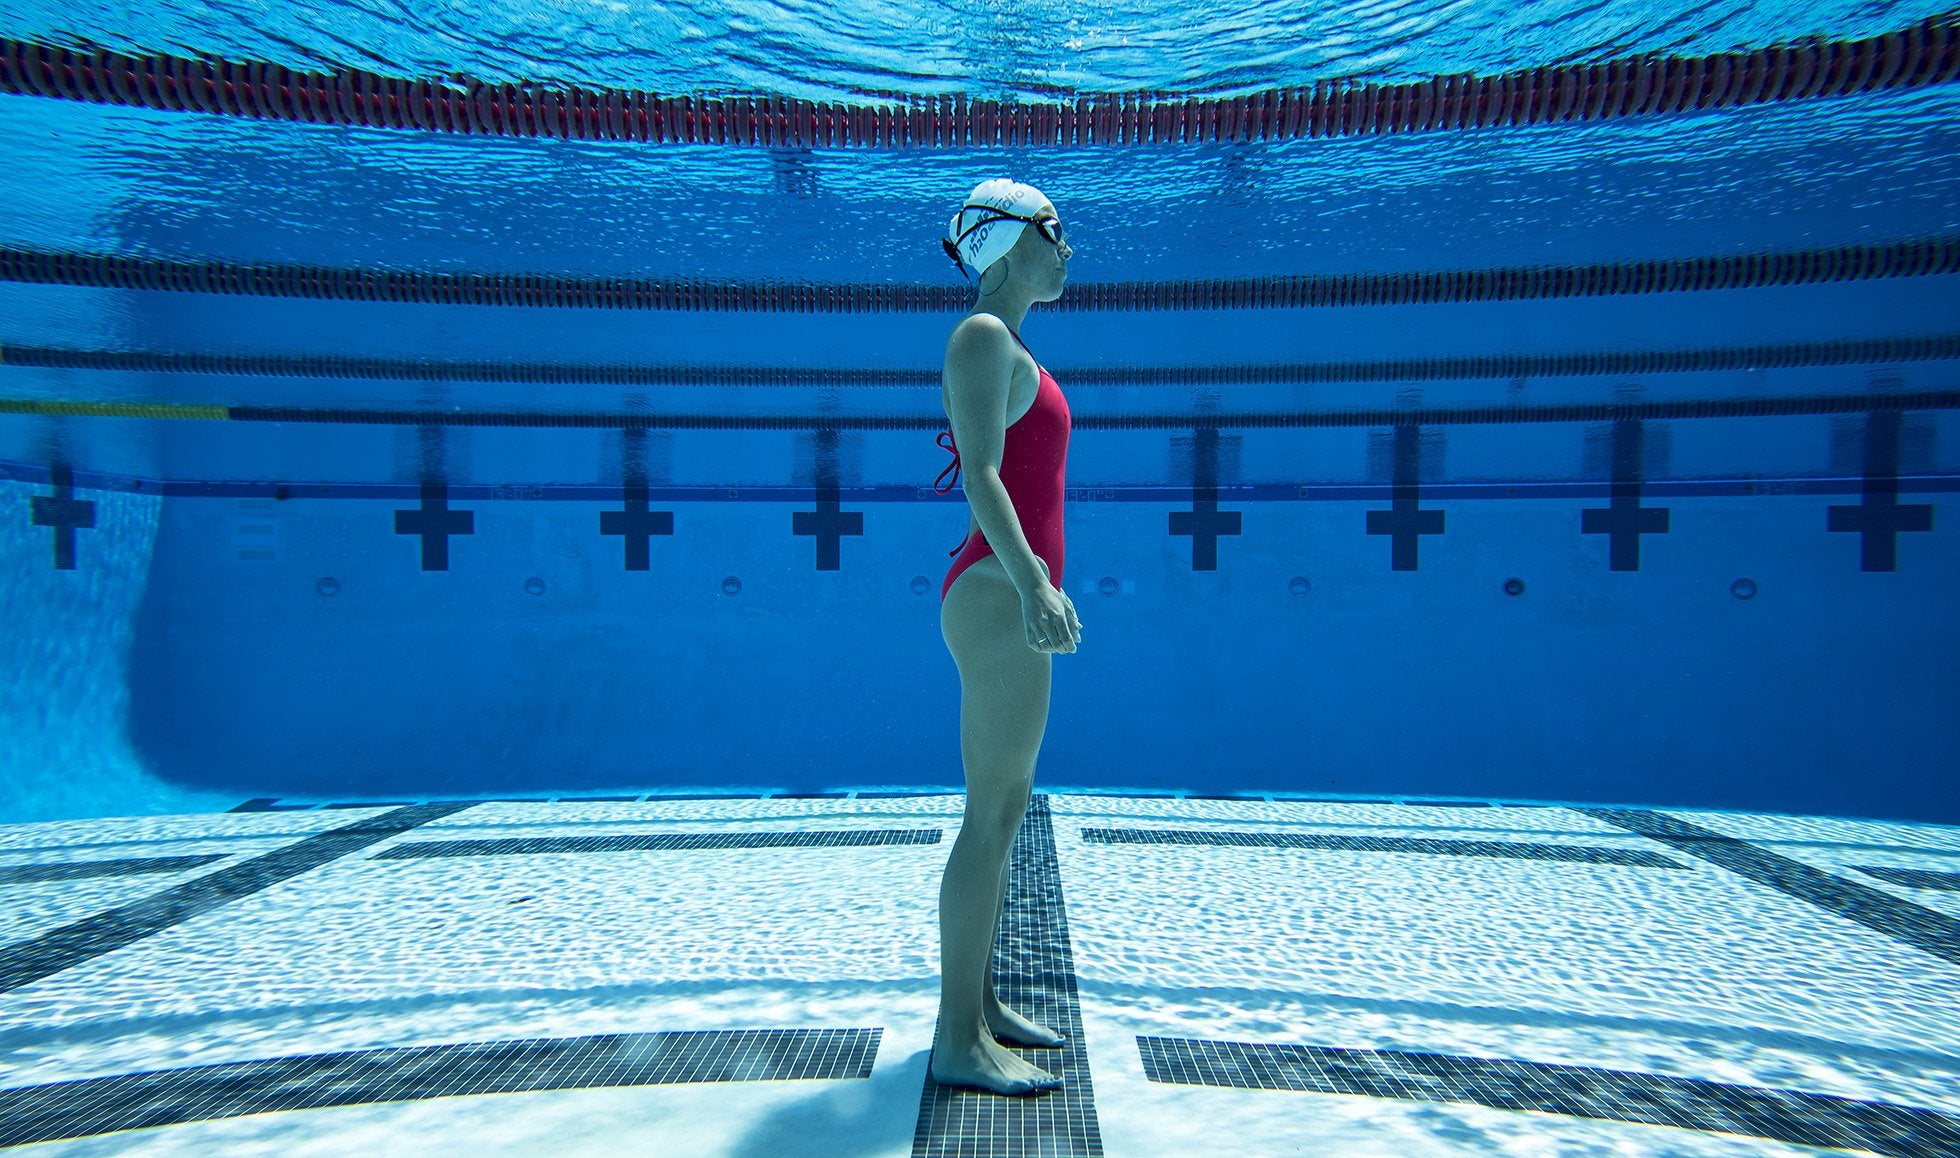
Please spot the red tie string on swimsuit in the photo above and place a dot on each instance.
(945, 440)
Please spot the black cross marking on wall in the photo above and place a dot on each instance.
(828, 523)
(64, 512)
(635, 524)
(1407, 520)
(1204, 522)
(1880, 518)
(1625, 520)
(435, 522)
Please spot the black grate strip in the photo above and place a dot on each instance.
(1916, 257)
(25, 962)
(1896, 917)
(1913, 878)
(669, 841)
(1794, 1116)
(1636, 857)
(93, 1106)
(1034, 973)
(17, 874)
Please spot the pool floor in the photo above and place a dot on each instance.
(740, 976)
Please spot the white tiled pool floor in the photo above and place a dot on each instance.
(741, 976)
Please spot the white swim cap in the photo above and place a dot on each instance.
(980, 245)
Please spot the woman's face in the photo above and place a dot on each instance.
(1034, 252)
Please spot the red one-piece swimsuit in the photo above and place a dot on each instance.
(1034, 468)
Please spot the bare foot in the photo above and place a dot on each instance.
(1004, 1022)
(991, 1067)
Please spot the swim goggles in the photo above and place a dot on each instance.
(1050, 227)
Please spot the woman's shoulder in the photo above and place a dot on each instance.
(982, 362)
(981, 328)
(981, 343)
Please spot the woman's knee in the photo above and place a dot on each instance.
(995, 815)
(993, 833)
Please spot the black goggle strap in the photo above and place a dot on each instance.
(953, 248)
(999, 215)
(953, 251)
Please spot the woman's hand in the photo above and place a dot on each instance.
(1049, 617)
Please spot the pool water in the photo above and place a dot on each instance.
(471, 671)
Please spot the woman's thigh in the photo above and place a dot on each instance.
(1004, 685)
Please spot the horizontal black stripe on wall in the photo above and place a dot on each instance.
(1515, 414)
(1271, 492)
(1913, 878)
(1325, 842)
(1507, 367)
(1805, 1119)
(16, 874)
(92, 1106)
(661, 842)
(1372, 417)
(25, 962)
(1917, 257)
(1902, 920)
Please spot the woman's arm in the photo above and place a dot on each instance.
(979, 371)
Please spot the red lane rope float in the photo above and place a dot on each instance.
(1917, 258)
(1923, 54)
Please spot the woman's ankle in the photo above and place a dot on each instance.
(952, 1038)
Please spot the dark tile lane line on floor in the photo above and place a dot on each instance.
(1814, 885)
(1324, 842)
(93, 1106)
(272, 803)
(75, 870)
(1804, 1119)
(662, 842)
(28, 961)
(1896, 917)
(1913, 878)
(1034, 974)
(130, 866)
